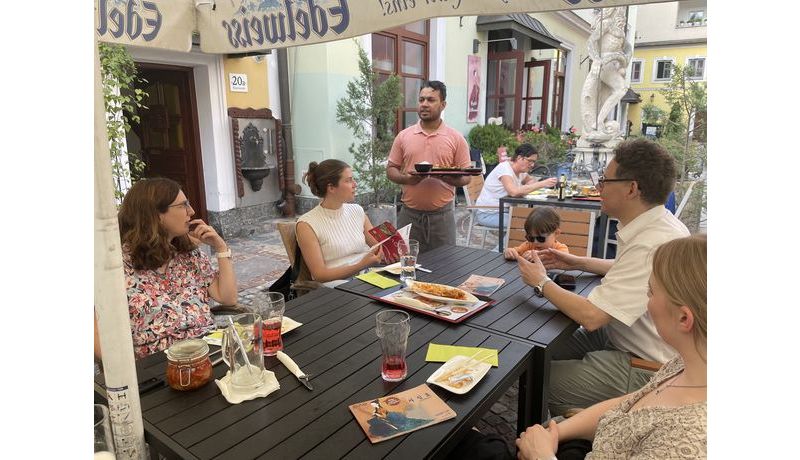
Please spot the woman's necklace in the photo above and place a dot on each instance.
(672, 384)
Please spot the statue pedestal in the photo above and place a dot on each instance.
(591, 159)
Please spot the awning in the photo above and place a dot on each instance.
(246, 26)
(523, 24)
(631, 97)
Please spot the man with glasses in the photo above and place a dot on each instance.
(509, 178)
(595, 364)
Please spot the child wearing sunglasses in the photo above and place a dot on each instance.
(541, 229)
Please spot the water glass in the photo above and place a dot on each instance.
(271, 306)
(243, 351)
(103, 437)
(392, 328)
(408, 261)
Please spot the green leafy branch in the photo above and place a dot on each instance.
(122, 104)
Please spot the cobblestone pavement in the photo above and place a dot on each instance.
(261, 258)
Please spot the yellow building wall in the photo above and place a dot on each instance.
(257, 96)
(649, 88)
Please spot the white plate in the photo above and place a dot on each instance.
(481, 369)
(470, 298)
(394, 268)
(288, 324)
(215, 337)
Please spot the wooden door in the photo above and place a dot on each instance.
(169, 132)
(538, 92)
(504, 87)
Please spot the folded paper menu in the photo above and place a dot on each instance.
(481, 285)
(390, 239)
(400, 413)
(377, 280)
(442, 353)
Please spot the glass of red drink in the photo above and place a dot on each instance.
(392, 327)
(271, 306)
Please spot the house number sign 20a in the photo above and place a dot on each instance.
(238, 82)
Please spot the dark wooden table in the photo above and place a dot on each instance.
(338, 346)
(585, 205)
(518, 313)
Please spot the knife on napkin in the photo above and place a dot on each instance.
(294, 369)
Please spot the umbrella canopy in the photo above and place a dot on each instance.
(246, 26)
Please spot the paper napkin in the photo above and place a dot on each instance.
(441, 353)
(377, 280)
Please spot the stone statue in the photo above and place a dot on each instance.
(605, 84)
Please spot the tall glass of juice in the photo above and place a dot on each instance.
(271, 306)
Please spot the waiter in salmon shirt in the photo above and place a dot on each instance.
(428, 201)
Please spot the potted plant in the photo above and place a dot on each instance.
(368, 110)
(551, 144)
(683, 23)
(652, 115)
(488, 138)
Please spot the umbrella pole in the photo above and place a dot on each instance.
(110, 298)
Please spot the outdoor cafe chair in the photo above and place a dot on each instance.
(301, 281)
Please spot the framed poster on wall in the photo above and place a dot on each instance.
(473, 87)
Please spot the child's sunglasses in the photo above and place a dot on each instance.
(537, 238)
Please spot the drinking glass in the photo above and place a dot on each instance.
(271, 306)
(408, 261)
(392, 328)
(103, 437)
(243, 351)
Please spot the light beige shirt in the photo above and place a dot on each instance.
(623, 290)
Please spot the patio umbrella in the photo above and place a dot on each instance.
(110, 298)
(226, 27)
(245, 26)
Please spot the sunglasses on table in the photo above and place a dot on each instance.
(536, 238)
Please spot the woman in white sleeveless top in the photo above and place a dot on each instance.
(333, 236)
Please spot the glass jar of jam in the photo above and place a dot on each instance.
(189, 367)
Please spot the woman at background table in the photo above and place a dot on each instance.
(333, 237)
(667, 418)
(169, 279)
(509, 178)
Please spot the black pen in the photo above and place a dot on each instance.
(150, 384)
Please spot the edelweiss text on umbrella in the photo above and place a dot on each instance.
(287, 23)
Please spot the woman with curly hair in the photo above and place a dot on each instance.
(169, 280)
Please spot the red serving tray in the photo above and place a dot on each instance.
(379, 297)
(449, 172)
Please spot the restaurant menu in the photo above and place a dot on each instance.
(394, 239)
(400, 413)
(447, 311)
(481, 285)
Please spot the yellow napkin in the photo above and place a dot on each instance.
(377, 280)
(442, 353)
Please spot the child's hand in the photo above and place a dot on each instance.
(510, 254)
(552, 258)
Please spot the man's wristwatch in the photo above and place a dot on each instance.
(539, 288)
(221, 255)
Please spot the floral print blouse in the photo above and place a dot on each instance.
(657, 433)
(170, 306)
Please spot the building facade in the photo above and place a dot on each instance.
(666, 34)
(527, 69)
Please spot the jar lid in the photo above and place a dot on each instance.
(187, 349)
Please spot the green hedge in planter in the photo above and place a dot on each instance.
(551, 147)
(488, 138)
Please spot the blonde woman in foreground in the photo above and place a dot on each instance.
(667, 418)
